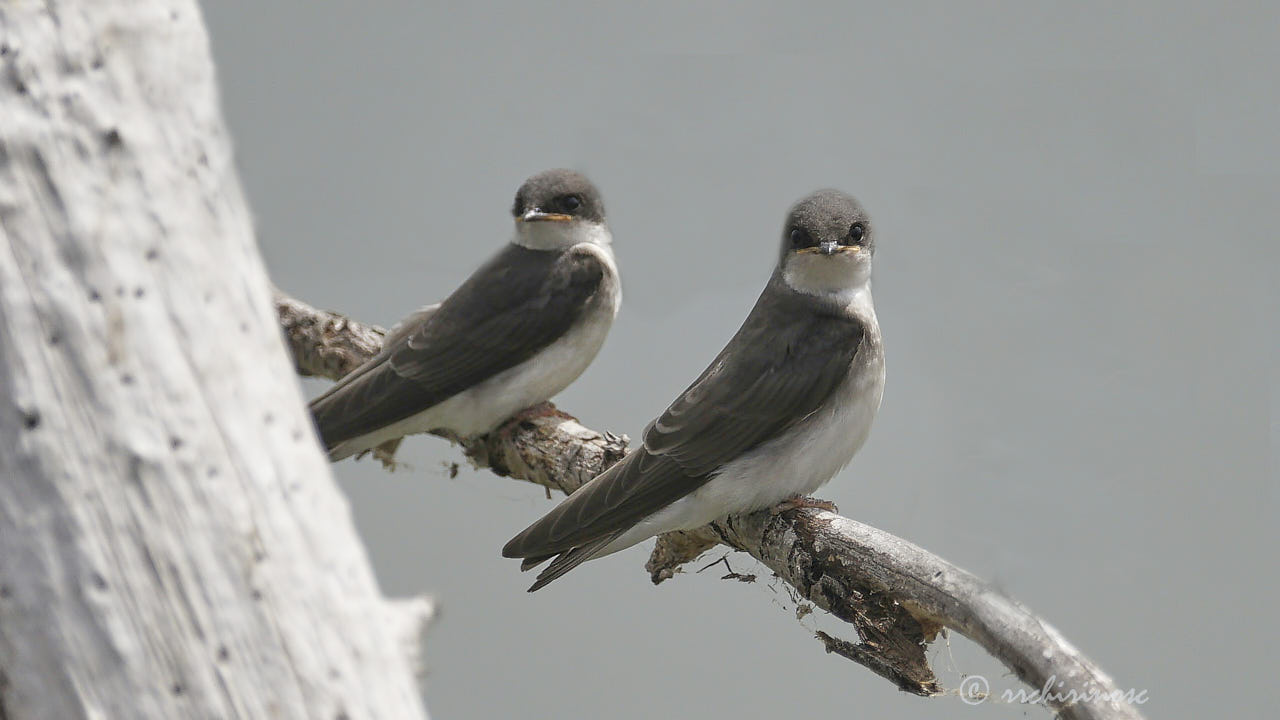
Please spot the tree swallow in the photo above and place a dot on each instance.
(782, 408)
(518, 331)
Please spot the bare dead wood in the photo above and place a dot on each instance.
(897, 596)
(172, 543)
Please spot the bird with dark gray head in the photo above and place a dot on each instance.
(518, 331)
(781, 409)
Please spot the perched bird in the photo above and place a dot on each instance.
(518, 331)
(782, 408)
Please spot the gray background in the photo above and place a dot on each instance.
(1076, 207)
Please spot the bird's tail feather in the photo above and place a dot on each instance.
(568, 560)
(530, 563)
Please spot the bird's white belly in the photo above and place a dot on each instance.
(796, 463)
(484, 406)
(481, 408)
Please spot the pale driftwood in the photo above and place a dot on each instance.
(172, 543)
(897, 595)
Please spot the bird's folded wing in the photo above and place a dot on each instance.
(406, 327)
(777, 369)
(503, 315)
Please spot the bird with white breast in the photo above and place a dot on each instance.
(523, 327)
(783, 407)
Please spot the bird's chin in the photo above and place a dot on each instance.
(816, 273)
(560, 234)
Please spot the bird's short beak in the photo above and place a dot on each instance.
(831, 248)
(536, 215)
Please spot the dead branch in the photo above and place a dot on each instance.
(897, 596)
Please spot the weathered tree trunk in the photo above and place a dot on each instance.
(172, 544)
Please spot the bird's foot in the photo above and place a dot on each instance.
(529, 414)
(800, 501)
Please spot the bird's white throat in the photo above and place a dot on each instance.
(560, 235)
(818, 274)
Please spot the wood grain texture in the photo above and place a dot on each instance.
(172, 542)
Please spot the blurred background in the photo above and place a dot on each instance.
(1076, 207)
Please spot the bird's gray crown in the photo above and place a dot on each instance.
(560, 192)
(826, 216)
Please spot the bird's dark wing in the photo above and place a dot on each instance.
(781, 366)
(512, 307)
(406, 327)
(777, 370)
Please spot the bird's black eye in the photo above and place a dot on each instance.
(570, 203)
(856, 231)
(799, 238)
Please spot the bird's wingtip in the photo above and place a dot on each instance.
(511, 549)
